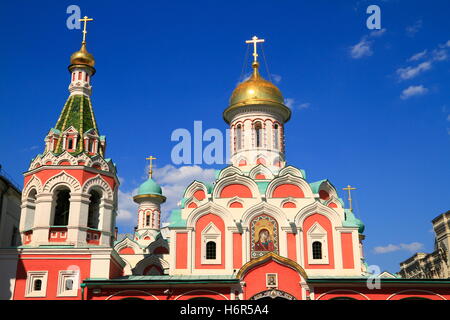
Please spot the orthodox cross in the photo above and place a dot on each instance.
(255, 40)
(349, 189)
(150, 170)
(85, 20)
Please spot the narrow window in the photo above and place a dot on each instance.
(62, 208)
(79, 76)
(37, 285)
(276, 136)
(210, 250)
(94, 209)
(86, 77)
(73, 76)
(70, 144)
(258, 134)
(147, 220)
(317, 250)
(238, 137)
(69, 284)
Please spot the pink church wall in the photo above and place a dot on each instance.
(200, 225)
(347, 251)
(288, 279)
(288, 190)
(181, 250)
(325, 224)
(292, 246)
(237, 250)
(236, 190)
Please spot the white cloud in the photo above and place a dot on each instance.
(418, 55)
(174, 181)
(411, 247)
(361, 49)
(413, 29)
(127, 211)
(377, 33)
(412, 91)
(411, 72)
(364, 47)
(440, 55)
(276, 78)
(292, 104)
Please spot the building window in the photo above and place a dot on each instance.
(276, 137)
(317, 250)
(79, 76)
(62, 207)
(210, 250)
(317, 243)
(147, 219)
(68, 282)
(94, 209)
(238, 137)
(36, 284)
(70, 144)
(258, 134)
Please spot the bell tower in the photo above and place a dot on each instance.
(69, 195)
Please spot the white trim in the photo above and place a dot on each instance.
(65, 275)
(419, 290)
(197, 290)
(29, 287)
(345, 290)
(211, 233)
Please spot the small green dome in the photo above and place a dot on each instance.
(149, 187)
(352, 221)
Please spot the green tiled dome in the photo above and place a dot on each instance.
(149, 187)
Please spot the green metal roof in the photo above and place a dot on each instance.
(150, 187)
(262, 186)
(176, 220)
(78, 113)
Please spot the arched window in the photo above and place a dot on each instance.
(62, 208)
(317, 250)
(238, 137)
(79, 75)
(276, 137)
(30, 209)
(147, 219)
(258, 134)
(37, 286)
(94, 209)
(210, 250)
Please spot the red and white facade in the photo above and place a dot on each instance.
(260, 231)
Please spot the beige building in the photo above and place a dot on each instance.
(10, 200)
(435, 265)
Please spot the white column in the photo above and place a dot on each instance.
(78, 217)
(43, 218)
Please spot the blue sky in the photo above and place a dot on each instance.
(370, 109)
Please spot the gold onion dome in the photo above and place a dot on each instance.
(82, 57)
(257, 91)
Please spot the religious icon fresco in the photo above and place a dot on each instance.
(264, 235)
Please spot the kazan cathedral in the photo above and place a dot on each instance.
(260, 231)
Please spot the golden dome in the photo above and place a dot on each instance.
(82, 57)
(257, 91)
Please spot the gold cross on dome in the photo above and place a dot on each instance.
(150, 170)
(349, 189)
(85, 20)
(255, 40)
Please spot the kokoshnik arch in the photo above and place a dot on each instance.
(260, 231)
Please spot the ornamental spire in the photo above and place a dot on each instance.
(349, 189)
(85, 20)
(150, 170)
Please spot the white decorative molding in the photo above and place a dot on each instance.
(98, 182)
(62, 178)
(289, 179)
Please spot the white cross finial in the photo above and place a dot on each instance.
(255, 40)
